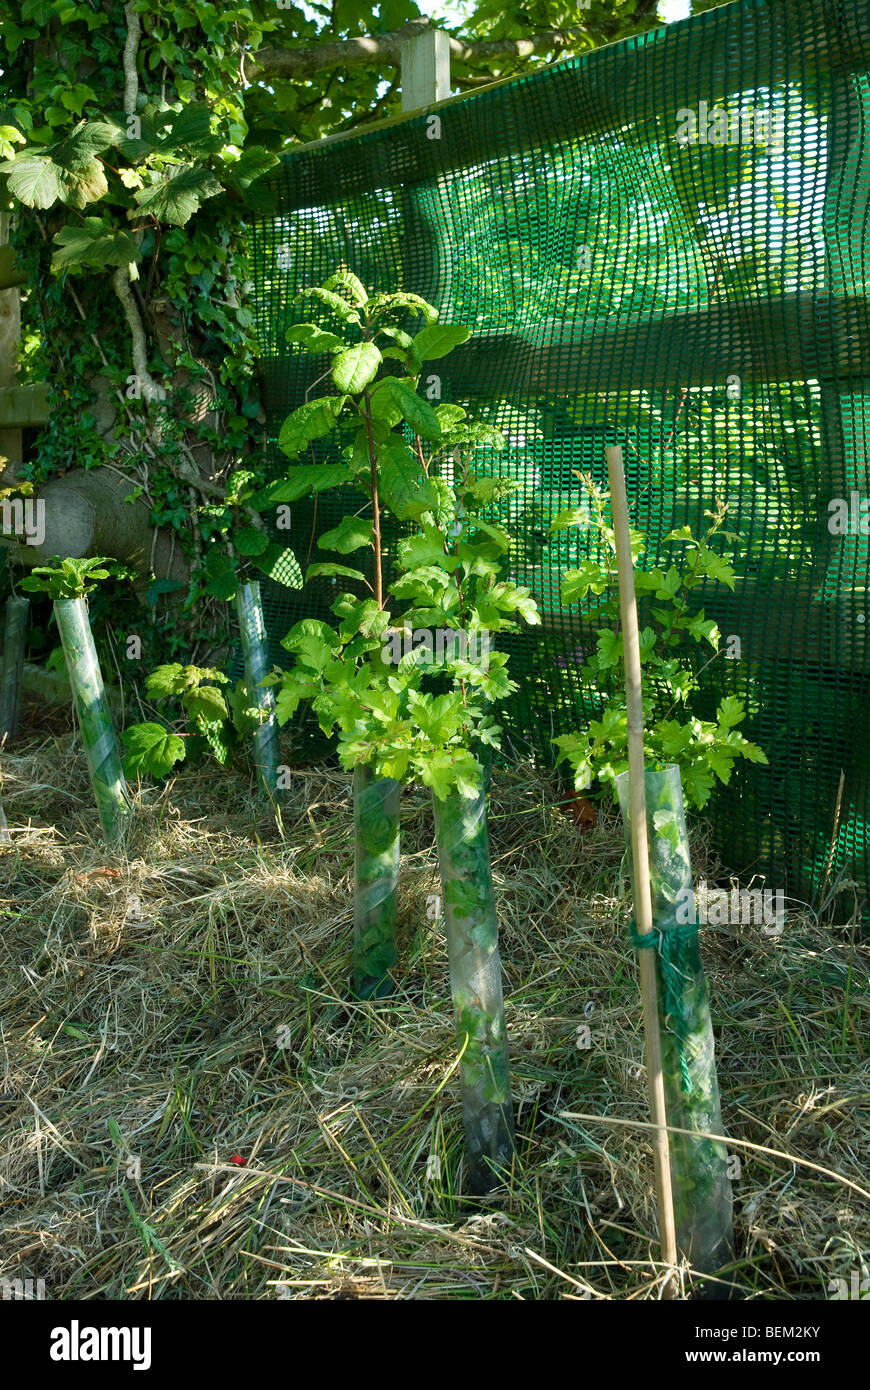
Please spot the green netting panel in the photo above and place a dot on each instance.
(697, 294)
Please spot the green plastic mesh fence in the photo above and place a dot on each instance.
(663, 244)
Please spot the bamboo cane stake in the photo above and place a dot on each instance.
(640, 857)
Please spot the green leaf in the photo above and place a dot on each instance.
(570, 517)
(249, 541)
(314, 339)
(244, 709)
(383, 407)
(351, 534)
(281, 565)
(151, 749)
(577, 583)
(10, 136)
(404, 487)
(72, 578)
(325, 569)
(355, 367)
(206, 703)
(313, 420)
(418, 413)
(85, 185)
(339, 306)
(175, 199)
(217, 734)
(76, 153)
(345, 279)
(192, 126)
(224, 586)
(731, 711)
(93, 243)
(425, 549)
(449, 415)
(314, 643)
(34, 179)
(165, 680)
(437, 339)
(39, 11)
(300, 481)
(446, 772)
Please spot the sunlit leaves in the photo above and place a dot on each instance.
(177, 196)
(355, 367)
(93, 243)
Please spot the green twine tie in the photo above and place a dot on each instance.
(671, 945)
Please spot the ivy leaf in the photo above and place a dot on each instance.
(39, 11)
(157, 587)
(175, 199)
(350, 534)
(34, 179)
(151, 749)
(355, 367)
(418, 413)
(93, 243)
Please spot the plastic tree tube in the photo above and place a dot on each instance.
(255, 652)
(95, 720)
(14, 634)
(701, 1186)
(376, 804)
(475, 981)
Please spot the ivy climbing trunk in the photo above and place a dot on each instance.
(14, 636)
(699, 1166)
(475, 981)
(376, 804)
(255, 652)
(94, 717)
